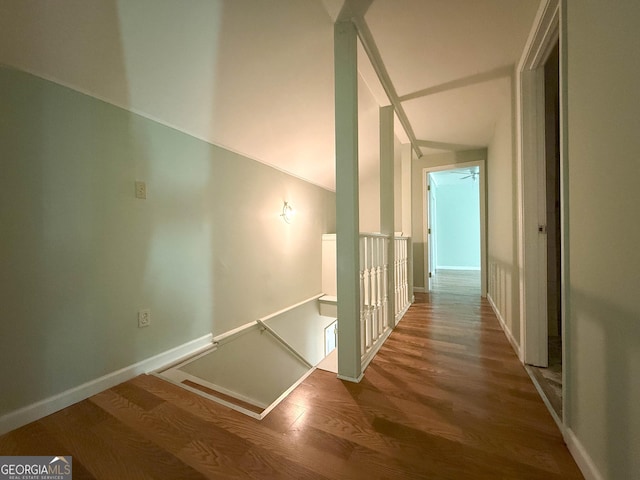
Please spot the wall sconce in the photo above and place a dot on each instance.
(288, 212)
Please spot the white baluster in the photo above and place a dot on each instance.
(363, 294)
(385, 287)
(374, 289)
(380, 285)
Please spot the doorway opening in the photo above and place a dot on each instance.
(550, 377)
(454, 234)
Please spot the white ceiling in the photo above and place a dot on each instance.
(451, 62)
(257, 77)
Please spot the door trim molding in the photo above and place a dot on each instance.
(482, 179)
(531, 175)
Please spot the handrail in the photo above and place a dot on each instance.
(384, 235)
(375, 235)
(232, 333)
(291, 307)
(284, 343)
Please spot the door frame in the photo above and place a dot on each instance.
(532, 189)
(432, 235)
(481, 164)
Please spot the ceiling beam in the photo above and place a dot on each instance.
(500, 72)
(445, 146)
(370, 47)
(353, 9)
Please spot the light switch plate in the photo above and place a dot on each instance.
(141, 190)
(144, 318)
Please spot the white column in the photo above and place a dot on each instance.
(387, 198)
(406, 155)
(347, 219)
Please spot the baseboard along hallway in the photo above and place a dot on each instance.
(445, 398)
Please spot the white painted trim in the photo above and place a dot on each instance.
(373, 352)
(540, 42)
(331, 299)
(178, 376)
(577, 450)
(564, 214)
(223, 337)
(481, 164)
(503, 325)
(232, 333)
(400, 315)
(285, 310)
(213, 398)
(533, 330)
(284, 343)
(35, 411)
(351, 379)
(582, 458)
(286, 393)
(530, 172)
(454, 267)
(419, 290)
(185, 361)
(366, 359)
(544, 398)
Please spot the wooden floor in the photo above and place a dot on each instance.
(445, 398)
(459, 282)
(550, 378)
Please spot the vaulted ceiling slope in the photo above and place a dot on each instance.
(451, 63)
(257, 77)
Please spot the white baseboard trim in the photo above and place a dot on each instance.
(543, 396)
(179, 376)
(400, 315)
(454, 267)
(419, 290)
(351, 379)
(38, 410)
(506, 331)
(372, 353)
(580, 455)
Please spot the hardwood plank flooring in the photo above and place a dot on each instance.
(445, 398)
(458, 282)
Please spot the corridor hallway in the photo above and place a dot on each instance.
(445, 398)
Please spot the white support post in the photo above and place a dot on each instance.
(347, 219)
(387, 197)
(406, 156)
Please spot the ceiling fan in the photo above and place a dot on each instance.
(472, 174)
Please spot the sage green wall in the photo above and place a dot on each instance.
(418, 214)
(603, 326)
(79, 255)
